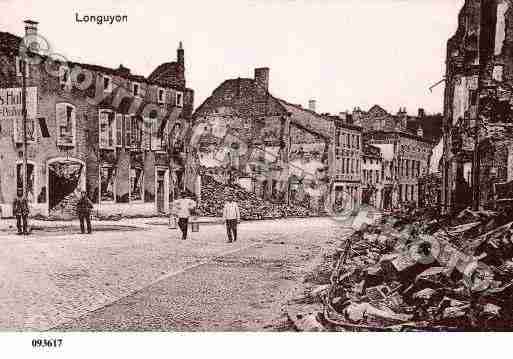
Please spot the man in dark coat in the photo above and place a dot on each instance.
(20, 210)
(84, 207)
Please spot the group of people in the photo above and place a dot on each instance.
(185, 207)
(21, 210)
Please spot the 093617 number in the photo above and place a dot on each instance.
(46, 343)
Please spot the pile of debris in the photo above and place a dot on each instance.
(214, 194)
(415, 271)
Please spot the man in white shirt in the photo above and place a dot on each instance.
(182, 208)
(231, 215)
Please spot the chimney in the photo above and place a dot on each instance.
(312, 105)
(262, 78)
(180, 54)
(30, 27)
(31, 40)
(123, 71)
(422, 113)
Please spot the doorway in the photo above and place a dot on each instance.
(162, 189)
(65, 180)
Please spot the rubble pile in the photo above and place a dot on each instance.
(214, 194)
(419, 272)
(65, 209)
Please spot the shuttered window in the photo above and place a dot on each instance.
(128, 130)
(136, 132)
(44, 128)
(146, 133)
(107, 129)
(66, 124)
(18, 130)
(156, 135)
(119, 130)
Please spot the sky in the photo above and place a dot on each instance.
(342, 53)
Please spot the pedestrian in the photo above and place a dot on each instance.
(183, 208)
(84, 207)
(231, 215)
(20, 210)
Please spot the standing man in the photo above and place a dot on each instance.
(84, 207)
(20, 210)
(183, 208)
(231, 215)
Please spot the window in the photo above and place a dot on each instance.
(156, 134)
(135, 89)
(128, 130)
(107, 183)
(43, 127)
(30, 180)
(107, 84)
(18, 130)
(136, 184)
(65, 79)
(19, 67)
(66, 124)
(135, 132)
(146, 133)
(107, 129)
(160, 96)
(358, 142)
(179, 99)
(119, 130)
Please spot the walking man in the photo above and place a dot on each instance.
(231, 215)
(183, 208)
(20, 210)
(84, 207)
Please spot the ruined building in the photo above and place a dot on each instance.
(478, 146)
(406, 144)
(104, 130)
(278, 150)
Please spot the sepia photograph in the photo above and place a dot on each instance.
(272, 166)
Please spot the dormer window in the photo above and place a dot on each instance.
(19, 67)
(498, 72)
(65, 79)
(135, 89)
(160, 96)
(107, 84)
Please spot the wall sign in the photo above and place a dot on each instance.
(11, 103)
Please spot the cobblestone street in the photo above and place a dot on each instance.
(138, 275)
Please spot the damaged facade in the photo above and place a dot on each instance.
(275, 149)
(372, 176)
(405, 151)
(478, 94)
(93, 128)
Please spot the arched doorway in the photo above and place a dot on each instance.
(65, 179)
